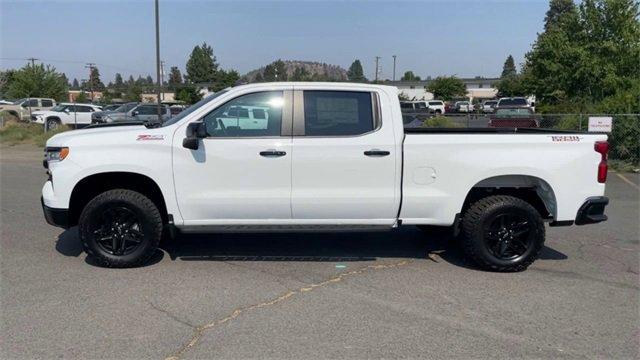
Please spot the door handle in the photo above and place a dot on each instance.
(272, 153)
(376, 152)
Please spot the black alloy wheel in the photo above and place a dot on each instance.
(509, 236)
(119, 231)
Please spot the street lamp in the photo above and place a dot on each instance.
(158, 60)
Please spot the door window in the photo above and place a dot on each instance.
(83, 109)
(47, 103)
(147, 110)
(337, 113)
(232, 119)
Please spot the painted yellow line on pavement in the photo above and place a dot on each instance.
(627, 180)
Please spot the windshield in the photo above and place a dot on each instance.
(126, 107)
(193, 108)
(513, 112)
(19, 101)
(59, 107)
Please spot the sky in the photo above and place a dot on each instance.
(431, 38)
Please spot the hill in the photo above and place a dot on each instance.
(308, 70)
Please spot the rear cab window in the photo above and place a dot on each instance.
(513, 102)
(338, 113)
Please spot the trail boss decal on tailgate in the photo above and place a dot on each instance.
(565, 138)
(150, 137)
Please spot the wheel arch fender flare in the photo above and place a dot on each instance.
(523, 186)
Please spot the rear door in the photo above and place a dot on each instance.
(83, 114)
(344, 160)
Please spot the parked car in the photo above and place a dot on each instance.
(414, 106)
(133, 112)
(6, 102)
(436, 106)
(463, 106)
(338, 158)
(23, 108)
(513, 117)
(176, 109)
(102, 116)
(489, 106)
(449, 107)
(74, 115)
(512, 101)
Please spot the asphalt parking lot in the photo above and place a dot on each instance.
(400, 294)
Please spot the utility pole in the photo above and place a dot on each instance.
(394, 68)
(158, 59)
(33, 61)
(376, 77)
(90, 66)
(162, 78)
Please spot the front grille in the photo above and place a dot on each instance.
(33, 118)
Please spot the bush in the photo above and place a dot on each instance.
(18, 133)
(440, 122)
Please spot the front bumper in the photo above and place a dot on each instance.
(55, 217)
(592, 211)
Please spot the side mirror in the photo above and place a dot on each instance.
(195, 131)
(135, 113)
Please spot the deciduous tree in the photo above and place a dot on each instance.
(446, 87)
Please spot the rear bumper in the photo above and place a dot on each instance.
(55, 217)
(592, 211)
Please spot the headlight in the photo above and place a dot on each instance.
(56, 153)
(107, 119)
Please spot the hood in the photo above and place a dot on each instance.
(102, 135)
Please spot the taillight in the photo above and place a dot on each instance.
(602, 147)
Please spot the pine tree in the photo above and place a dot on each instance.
(202, 65)
(356, 73)
(75, 84)
(509, 67)
(175, 78)
(95, 83)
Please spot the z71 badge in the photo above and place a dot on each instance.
(150, 137)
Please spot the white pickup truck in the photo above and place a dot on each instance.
(329, 157)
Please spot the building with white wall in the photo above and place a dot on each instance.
(477, 88)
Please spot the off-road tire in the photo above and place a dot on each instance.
(150, 225)
(478, 217)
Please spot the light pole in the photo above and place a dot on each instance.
(158, 60)
(376, 76)
(394, 68)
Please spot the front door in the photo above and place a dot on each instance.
(345, 163)
(240, 174)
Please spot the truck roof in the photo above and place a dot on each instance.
(334, 85)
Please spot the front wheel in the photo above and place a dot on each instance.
(52, 124)
(120, 228)
(503, 233)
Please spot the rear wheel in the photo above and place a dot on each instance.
(120, 228)
(503, 233)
